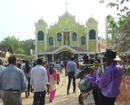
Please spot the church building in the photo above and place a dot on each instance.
(65, 38)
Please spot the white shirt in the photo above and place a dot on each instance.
(22, 66)
(39, 78)
(61, 63)
(2, 68)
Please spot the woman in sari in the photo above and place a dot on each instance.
(52, 79)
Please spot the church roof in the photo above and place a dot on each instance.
(91, 19)
(76, 50)
(41, 21)
(52, 49)
(66, 14)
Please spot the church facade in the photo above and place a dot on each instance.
(66, 37)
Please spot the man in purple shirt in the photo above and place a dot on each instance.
(110, 80)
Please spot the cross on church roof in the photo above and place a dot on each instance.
(66, 4)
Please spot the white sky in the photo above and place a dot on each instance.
(17, 17)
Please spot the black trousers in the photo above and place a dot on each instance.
(39, 98)
(71, 76)
(95, 95)
(65, 71)
(28, 89)
(105, 100)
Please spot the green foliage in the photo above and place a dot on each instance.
(27, 57)
(14, 43)
(102, 2)
(27, 45)
(120, 29)
(19, 47)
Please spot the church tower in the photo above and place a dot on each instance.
(40, 36)
(92, 34)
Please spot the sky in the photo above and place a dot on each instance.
(18, 17)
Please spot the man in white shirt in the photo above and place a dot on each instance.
(1, 68)
(23, 63)
(39, 80)
(1, 65)
(61, 64)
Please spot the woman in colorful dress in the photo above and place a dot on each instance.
(52, 79)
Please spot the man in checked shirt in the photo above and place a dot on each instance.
(12, 83)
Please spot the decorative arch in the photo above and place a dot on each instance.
(83, 40)
(74, 36)
(92, 35)
(59, 37)
(40, 35)
(50, 41)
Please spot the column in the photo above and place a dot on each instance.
(62, 37)
(45, 39)
(70, 37)
(52, 57)
(35, 46)
(97, 41)
(87, 41)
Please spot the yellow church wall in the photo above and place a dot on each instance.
(67, 25)
(40, 46)
(40, 29)
(83, 46)
(92, 45)
(65, 49)
(92, 27)
(82, 33)
(51, 34)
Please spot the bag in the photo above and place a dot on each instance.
(76, 73)
(84, 85)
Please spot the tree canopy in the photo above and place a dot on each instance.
(120, 28)
(19, 47)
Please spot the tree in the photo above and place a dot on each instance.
(27, 45)
(121, 28)
(14, 43)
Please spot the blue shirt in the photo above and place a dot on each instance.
(13, 78)
(71, 66)
(110, 80)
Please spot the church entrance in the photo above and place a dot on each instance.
(66, 38)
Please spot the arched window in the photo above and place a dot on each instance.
(92, 35)
(74, 36)
(50, 41)
(59, 37)
(82, 40)
(40, 35)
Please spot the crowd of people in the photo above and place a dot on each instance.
(42, 78)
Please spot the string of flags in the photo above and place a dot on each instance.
(119, 44)
(2, 52)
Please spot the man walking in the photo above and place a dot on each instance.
(1, 68)
(12, 83)
(58, 68)
(39, 80)
(71, 68)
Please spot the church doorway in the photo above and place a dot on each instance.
(66, 38)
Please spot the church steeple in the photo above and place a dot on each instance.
(66, 4)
